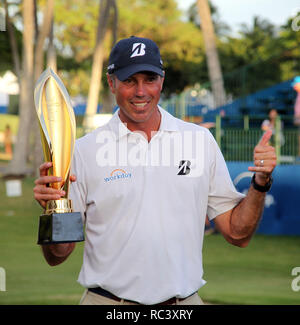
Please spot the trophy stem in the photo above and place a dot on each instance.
(62, 205)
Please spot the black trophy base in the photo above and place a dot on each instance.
(57, 228)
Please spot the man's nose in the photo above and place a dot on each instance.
(140, 90)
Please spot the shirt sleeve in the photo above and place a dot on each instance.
(78, 190)
(223, 195)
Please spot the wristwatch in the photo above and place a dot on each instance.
(260, 188)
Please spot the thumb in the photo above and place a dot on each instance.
(265, 138)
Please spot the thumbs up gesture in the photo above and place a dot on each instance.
(264, 159)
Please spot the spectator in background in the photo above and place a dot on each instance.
(8, 140)
(296, 86)
(270, 124)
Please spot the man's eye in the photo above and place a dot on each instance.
(128, 81)
(152, 78)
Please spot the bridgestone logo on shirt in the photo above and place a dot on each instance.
(184, 167)
(184, 151)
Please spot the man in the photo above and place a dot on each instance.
(144, 184)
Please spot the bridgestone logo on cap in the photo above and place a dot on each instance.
(138, 49)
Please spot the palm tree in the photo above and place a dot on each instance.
(212, 58)
(42, 33)
(18, 163)
(31, 68)
(95, 83)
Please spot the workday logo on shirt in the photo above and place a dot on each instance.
(117, 174)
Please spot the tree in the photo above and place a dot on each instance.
(180, 42)
(41, 34)
(220, 27)
(51, 52)
(251, 61)
(97, 67)
(32, 66)
(13, 42)
(290, 40)
(214, 68)
(18, 164)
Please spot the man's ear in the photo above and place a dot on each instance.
(111, 82)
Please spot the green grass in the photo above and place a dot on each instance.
(29, 279)
(11, 120)
(258, 274)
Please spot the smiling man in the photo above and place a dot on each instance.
(145, 221)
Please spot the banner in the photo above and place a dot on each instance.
(282, 205)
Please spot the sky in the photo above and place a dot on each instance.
(236, 12)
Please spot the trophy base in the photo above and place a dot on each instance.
(58, 228)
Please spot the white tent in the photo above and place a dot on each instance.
(8, 86)
(3, 99)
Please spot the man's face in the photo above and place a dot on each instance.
(137, 96)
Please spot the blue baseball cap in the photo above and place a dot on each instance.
(132, 55)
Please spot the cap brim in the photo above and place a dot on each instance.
(128, 71)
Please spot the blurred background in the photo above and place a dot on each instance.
(231, 66)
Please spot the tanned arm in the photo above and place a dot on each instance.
(239, 224)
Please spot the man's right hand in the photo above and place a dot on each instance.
(56, 253)
(44, 193)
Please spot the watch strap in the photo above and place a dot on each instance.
(260, 188)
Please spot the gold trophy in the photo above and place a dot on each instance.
(58, 224)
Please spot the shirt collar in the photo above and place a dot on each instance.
(167, 123)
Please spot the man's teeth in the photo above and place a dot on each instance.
(139, 104)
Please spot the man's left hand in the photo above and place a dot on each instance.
(264, 159)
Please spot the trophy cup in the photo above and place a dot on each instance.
(58, 224)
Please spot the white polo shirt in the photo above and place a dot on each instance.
(144, 207)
